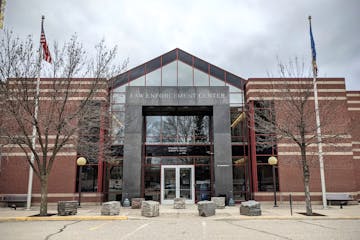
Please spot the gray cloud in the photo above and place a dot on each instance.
(243, 37)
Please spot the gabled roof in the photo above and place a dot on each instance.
(177, 54)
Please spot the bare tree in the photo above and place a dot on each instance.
(286, 113)
(77, 84)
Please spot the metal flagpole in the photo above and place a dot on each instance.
(34, 132)
(317, 115)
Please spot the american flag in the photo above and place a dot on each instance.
(46, 52)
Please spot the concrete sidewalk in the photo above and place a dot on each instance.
(166, 211)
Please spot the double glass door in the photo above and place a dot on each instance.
(177, 181)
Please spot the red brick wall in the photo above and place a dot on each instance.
(336, 119)
(353, 104)
(14, 169)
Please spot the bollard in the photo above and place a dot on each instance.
(290, 199)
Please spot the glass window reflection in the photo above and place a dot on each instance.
(185, 128)
(169, 74)
(236, 98)
(153, 128)
(169, 128)
(181, 129)
(152, 183)
(118, 97)
(234, 89)
(201, 128)
(185, 74)
(138, 82)
(118, 127)
(154, 78)
(200, 78)
(120, 89)
(216, 82)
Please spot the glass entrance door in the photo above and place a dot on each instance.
(177, 181)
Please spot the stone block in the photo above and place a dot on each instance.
(250, 208)
(150, 209)
(110, 208)
(219, 202)
(206, 208)
(66, 208)
(136, 203)
(179, 203)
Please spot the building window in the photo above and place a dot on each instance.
(89, 133)
(177, 129)
(202, 182)
(239, 181)
(265, 178)
(89, 178)
(152, 183)
(239, 133)
(266, 144)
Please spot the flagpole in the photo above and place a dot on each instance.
(317, 115)
(34, 132)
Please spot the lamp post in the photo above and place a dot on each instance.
(273, 161)
(81, 161)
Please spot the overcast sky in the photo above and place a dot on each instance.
(244, 37)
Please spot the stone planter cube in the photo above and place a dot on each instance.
(179, 203)
(219, 202)
(110, 208)
(136, 203)
(250, 208)
(150, 209)
(206, 208)
(66, 208)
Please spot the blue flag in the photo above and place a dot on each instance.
(313, 51)
(312, 45)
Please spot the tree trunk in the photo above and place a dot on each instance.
(44, 195)
(306, 174)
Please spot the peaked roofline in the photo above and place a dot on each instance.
(173, 55)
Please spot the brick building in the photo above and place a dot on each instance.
(182, 127)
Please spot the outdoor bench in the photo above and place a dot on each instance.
(14, 201)
(339, 198)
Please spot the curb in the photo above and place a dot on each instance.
(288, 218)
(216, 218)
(62, 218)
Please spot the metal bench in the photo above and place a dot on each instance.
(338, 198)
(14, 201)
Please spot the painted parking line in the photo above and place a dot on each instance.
(62, 218)
(135, 231)
(98, 226)
(203, 223)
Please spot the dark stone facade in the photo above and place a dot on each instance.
(215, 97)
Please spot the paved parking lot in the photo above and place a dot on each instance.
(274, 223)
(182, 228)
